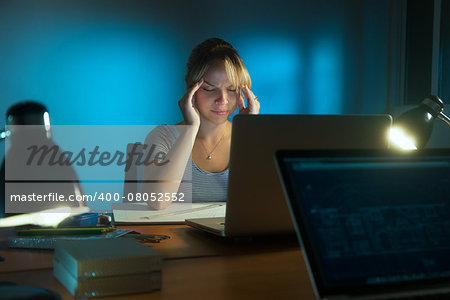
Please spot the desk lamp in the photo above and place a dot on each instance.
(22, 113)
(27, 113)
(19, 138)
(412, 129)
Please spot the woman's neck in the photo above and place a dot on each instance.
(211, 132)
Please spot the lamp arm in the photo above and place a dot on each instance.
(444, 118)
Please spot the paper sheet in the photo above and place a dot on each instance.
(175, 213)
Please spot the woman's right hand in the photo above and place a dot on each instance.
(190, 112)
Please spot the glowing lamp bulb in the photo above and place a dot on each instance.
(401, 140)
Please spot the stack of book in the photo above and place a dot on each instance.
(105, 267)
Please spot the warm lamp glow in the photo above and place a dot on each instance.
(49, 217)
(398, 138)
(418, 123)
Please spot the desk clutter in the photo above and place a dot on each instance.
(106, 267)
(45, 238)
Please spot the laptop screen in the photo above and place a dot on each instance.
(371, 218)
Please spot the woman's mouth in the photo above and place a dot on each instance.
(220, 112)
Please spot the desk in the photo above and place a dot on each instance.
(196, 265)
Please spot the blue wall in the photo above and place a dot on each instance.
(122, 62)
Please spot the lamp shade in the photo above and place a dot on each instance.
(417, 123)
(26, 113)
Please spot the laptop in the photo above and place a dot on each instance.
(255, 200)
(372, 224)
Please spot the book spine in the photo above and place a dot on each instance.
(64, 277)
(107, 286)
(119, 266)
(116, 285)
(69, 262)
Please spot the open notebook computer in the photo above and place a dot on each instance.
(372, 224)
(255, 204)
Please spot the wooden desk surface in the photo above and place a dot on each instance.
(184, 242)
(195, 265)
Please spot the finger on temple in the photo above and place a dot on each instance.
(241, 102)
(195, 87)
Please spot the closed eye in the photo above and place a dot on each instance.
(208, 90)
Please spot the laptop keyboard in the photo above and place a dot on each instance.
(425, 297)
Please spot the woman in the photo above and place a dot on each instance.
(217, 82)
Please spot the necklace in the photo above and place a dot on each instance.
(208, 157)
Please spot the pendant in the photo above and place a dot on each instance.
(208, 157)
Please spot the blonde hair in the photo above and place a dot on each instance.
(213, 50)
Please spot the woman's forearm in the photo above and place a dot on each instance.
(169, 172)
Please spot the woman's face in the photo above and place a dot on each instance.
(216, 99)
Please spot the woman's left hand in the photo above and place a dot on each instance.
(252, 102)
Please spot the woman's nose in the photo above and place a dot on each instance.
(223, 97)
